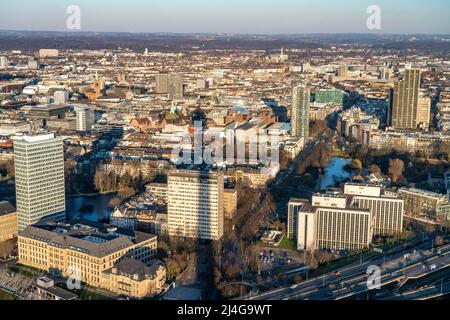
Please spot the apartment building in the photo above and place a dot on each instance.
(300, 112)
(158, 189)
(195, 204)
(420, 202)
(230, 199)
(404, 102)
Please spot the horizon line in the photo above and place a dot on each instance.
(226, 33)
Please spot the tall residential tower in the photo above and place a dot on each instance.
(407, 109)
(300, 112)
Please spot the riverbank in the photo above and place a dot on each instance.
(334, 173)
(91, 207)
(91, 195)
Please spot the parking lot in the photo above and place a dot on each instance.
(275, 259)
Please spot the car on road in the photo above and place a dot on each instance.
(294, 286)
(337, 273)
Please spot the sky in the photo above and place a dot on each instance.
(228, 16)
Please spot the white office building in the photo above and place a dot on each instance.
(195, 204)
(3, 62)
(327, 222)
(39, 166)
(387, 207)
(61, 97)
(85, 118)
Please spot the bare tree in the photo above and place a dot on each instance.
(374, 169)
(396, 169)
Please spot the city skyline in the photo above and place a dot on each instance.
(234, 17)
(243, 151)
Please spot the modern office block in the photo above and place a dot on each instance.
(327, 222)
(85, 118)
(39, 166)
(195, 204)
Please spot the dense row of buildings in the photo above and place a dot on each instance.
(118, 113)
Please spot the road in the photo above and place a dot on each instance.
(398, 271)
(424, 293)
(350, 278)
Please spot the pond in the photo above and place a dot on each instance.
(91, 208)
(335, 172)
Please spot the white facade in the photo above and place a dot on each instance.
(362, 190)
(61, 97)
(3, 62)
(348, 229)
(329, 201)
(40, 190)
(43, 53)
(331, 225)
(85, 118)
(386, 207)
(195, 204)
(306, 236)
(387, 213)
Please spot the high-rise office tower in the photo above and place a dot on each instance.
(342, 71)
(170, 83)
(3, 62)
(404, 102)
(195, 204)
(39, 166)
(162, 82)
(176, 89)
(300, 112)
(61, 97)
(85, 118)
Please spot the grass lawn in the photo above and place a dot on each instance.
(20, 271)
(287, 244)
(5, 295)
(85, 294)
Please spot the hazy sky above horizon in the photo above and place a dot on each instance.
(229, 16)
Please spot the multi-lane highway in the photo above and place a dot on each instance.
(352, 280)
(424, 293)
